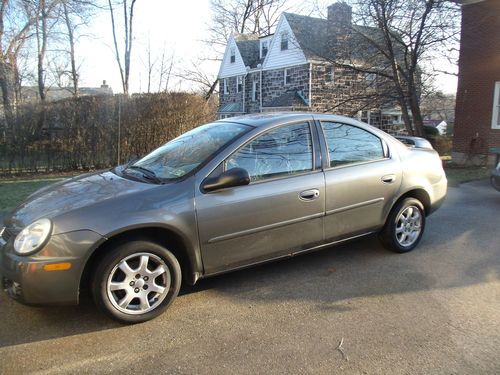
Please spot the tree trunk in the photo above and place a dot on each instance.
(71, 40)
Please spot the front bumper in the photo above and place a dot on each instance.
(26, 278)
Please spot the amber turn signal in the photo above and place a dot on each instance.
(57, 266)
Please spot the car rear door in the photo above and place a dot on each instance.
(361, 178)
(279, 212)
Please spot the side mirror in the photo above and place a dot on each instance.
(230, 178)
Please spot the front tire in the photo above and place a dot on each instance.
(404, 227)
(136, 281)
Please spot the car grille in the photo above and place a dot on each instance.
(6, 234)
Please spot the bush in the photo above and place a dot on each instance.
(96, 132)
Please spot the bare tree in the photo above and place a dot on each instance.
(408, 35)
(128, 22)
(15, 30)
(244, 17)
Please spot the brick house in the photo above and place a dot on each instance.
(293, 70)
(477, 113)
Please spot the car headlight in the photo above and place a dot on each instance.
(33, 237)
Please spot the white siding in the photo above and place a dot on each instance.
(276, 58)
(228, 69)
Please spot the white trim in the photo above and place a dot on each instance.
(495, 116)
(224, 83)
(228, 69)
(293, 53)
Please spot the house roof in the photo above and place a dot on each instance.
(310, 32)
(289, 99)
(248, 45)
(231, 108)
(313, 37)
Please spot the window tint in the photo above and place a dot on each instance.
(286, 150)
(349, 144)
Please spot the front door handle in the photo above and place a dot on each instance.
(309, 195)
(388, 178)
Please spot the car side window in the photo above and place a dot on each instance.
(282, 151)
(349, 144)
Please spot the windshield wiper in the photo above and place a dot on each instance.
(148, 173)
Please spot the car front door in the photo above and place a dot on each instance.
(279, 212)
(361, 180)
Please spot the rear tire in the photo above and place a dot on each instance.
(136, 281)
(495, 182)
(404, 226)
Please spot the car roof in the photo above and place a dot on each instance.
(271, 118)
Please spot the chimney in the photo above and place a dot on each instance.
(340, 15)
(339, 26)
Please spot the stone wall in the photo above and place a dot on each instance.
(252, 106)
(232, 96)
(273, 85)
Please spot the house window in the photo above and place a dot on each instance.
(233, 55)
(254, 90)
(284, 41)
(349, 144)
(330, 74)
(495, 118)
(288, 76)
(264, 45)
(239, 84)
(224, 85)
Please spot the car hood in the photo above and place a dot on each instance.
(72, 194)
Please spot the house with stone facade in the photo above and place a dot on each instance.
(297, 69)
(477, 113)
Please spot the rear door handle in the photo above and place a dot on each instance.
(309, 195)
(388, 178)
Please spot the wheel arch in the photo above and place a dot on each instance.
(189, 258)
(418, 193)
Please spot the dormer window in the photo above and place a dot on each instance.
(233, 55)
(264, 45)
(284, 41)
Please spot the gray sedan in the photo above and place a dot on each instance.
(226, 195)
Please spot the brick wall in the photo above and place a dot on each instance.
(479, 68)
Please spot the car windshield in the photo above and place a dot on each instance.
(183, 154)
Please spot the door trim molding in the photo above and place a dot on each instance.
(352, 206)
(264, 227)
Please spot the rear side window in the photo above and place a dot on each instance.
(282, 151)
(349, 144)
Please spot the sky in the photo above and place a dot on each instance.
(174, 26)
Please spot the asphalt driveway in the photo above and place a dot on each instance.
(435, 310)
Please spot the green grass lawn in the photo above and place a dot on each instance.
(15, 191)
(457, 175)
